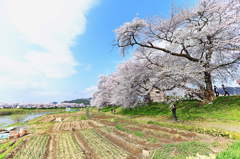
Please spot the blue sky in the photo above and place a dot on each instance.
(55, 50)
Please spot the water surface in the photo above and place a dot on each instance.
(6, 120)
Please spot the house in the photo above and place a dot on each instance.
(157, 96)
(238, 81)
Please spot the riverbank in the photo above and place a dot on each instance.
(7, 111)
(18, 117)
(222, 113)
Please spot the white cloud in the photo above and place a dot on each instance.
(89, 91)
(35, 41)
(48, 23)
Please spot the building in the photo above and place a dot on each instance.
(238, 81)
(157, 96)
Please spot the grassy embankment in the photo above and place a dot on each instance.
(18, 114)
(8, 111)
(221, 111)
(220, 118)
(224, 110)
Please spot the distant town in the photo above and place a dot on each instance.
(78, 103)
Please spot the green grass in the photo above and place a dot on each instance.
(7, 111)
(134, 132)
(232, 152)
(202, 130)
(108, 108)
(8, 147)
(83, 117)
(223, 108)
(138, 133)
(152, 109)
(4, 146)
(152, 140)
(181, 150)
(121, 128)
(12, 111)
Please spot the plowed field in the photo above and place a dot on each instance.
(100, 137)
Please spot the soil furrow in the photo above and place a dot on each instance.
(133, 150)
(88, 152)
(52, 148)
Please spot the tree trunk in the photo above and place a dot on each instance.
(147, 98)
(208, 92)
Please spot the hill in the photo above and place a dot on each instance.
(85, 101)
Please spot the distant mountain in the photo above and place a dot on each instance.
(85, 101)
(231, 90)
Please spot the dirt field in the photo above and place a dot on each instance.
(68, 136)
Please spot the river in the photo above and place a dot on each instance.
(6, 120)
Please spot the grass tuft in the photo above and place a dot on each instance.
(181, 150)
(232, 152)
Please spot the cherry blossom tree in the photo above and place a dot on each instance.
(130, 85)
(206, 36)
(102, 96)
(170, 72)
(134, 83)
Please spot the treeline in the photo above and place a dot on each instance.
(85, 101)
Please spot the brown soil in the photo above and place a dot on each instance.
(137, 141)
(20, 146)
(71, 126)
(47, 149)
(108, 123)
(147, 133)
(160, 138)
(132, 149)
(134, 128)
(52, 148)
(95, 116)
(120, 121)
(48, 119)
(171, 131)
(95, 124)
(88, 152)
(129, 137)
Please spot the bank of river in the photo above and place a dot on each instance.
(6, 120)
